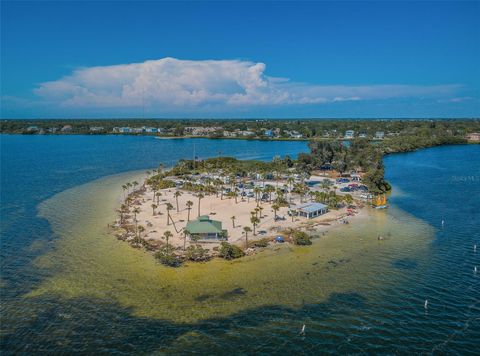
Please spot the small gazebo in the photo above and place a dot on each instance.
(206, 229)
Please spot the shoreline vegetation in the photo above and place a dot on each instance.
(375, 130)
(242, 195)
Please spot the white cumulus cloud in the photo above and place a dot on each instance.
(171, 83)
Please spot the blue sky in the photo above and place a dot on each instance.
(250, 59)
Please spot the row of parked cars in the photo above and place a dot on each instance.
(354, 187)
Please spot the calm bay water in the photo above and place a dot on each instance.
(66, 291)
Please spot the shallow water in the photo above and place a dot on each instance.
(93, 264)
(92, 293)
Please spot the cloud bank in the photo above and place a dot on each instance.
(174, 84)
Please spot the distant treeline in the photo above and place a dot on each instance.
(308, 128)
(360, 155)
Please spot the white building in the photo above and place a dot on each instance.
(349, 134)
(310, 210)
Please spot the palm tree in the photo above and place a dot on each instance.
(260, 209)
(257, 191)
(221, 189)
(254, 220)
(348, 199)
(135, 184)
(135, 212)
(246, 230)
(154, 190)
(124, 187)
(169, 207)
(140, 230)
(189, 207)
(233, 221)
(269, 190)
(176, 195)
(154, 206)
(200, 196)
(217, 183)
(121, 211)
(158, 195)
(232, 178)
(275, 208)
(255, 212)
(290, 181)
(166, 236)
(325, 185)
(185, 233)
(235, 194)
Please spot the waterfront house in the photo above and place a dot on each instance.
(121, 130)
(205, 229)
(379, 135)
(96, 128)
(268, 133)
(295, 134)
(151, 129)
(67, 128)
(474, 136)
(349, 134)
(310, 210)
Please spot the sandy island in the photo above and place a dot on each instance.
(222, 208)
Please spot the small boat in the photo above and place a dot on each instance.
(379, 201)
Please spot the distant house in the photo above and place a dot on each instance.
(96, 128)
(206, 229)
(202, 131)
(295, 134)
(151, 129)
(310, 210)
(362, 135)
(268, 133)
(379, 135)
(67, 128)
(229, 133)
(474, 136)
(32, 128)
(122, 129)
(349, 134)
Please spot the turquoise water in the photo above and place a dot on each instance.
(384, 313)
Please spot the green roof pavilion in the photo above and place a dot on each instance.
(204, 228)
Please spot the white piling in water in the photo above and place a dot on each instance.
(303, 330)
(443, 223)
(474, 248)
(426, 304)
(475, 269)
